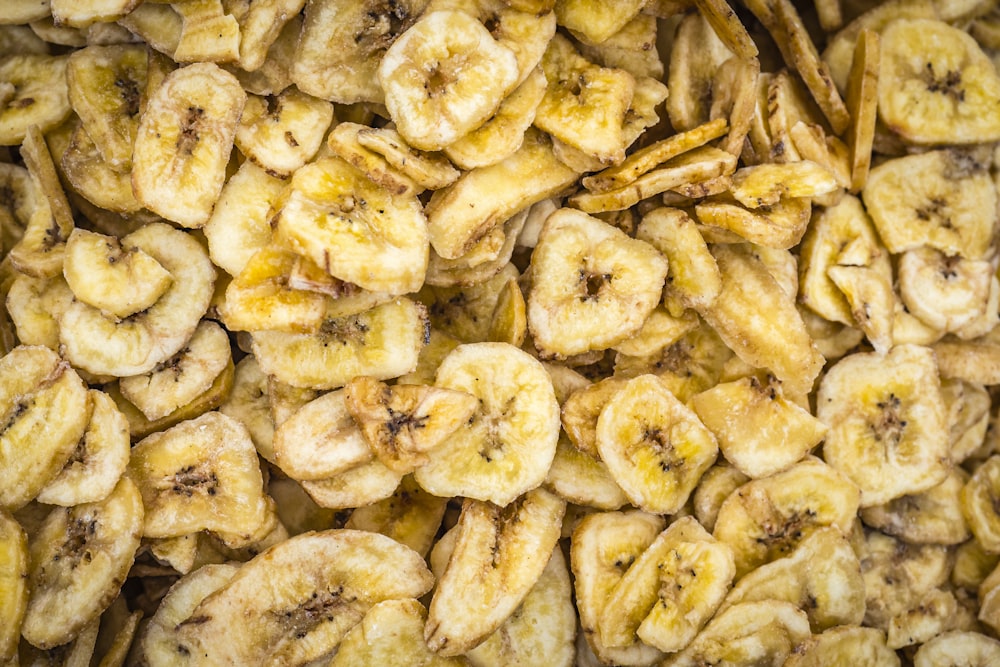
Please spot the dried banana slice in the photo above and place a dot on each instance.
(202, 474)
(500, 553)
(581, 410)
(34, 92)
(461, 214)
(585, 105)
(845, 645)
(660, 330)
(343, 141)
(958, 647)
(98, 460)
(209, 33)
(693, 279)
(946, 292)
(862, 103)
(931, 517)
(759, 430)
(444, 76)
(751, 633)
(404, 423)
(116, 279)
(79, 558)
(977, 498)
(282, 133)
(715, 486)
(592, 285)
(696, 55)
(183, 143)
(944, 199)
(768, 517)
(654, 446)
(937, 85)
(361, 485)
(431, 171)
(822, 576)
(104, 344)
(381, 238)
(592, 22)
(671, 590)
(411, 516)
(383, 342)
(46, 409)
(766, 184)
(324, 584)
(13, 583)
(509, 320)
(260, 27)
(604, 546)
(90, 176)
(342, 43)
(508, 445)
(35, 305)
(248, 403)
(182, 378)
(888, 425)
(391, 633)
(583, 479)
(748, 288)
(780, 226)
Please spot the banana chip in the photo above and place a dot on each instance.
(13, 583)
(34, 93)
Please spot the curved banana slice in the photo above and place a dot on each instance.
(182, 378)
(106, 84)
(89, 175)
(715, 486)
(767, 517)
(342, 43)
(120, 281)
(945, 291)
(411, 516)
(944, 199)
(696, 55)
(604, 546)
(282, 133)
(845, 645)
(34, 93)
(671, 590)
(445, 76)
(822, 577)
(766, 184)
(978, 504)
(509, 320)
(431, 171)
(592, 285)
(751, 633)
(692, 275)
(543, 625)
(654, 446)
(183, 143)
(35, 306)
(581, 410)
(402, 424)
(509, 442)
(759, 430)
(343, 142)
(968, 416)
(748, 288)
(500, 553)
(888, 429)
(320, 440)
(135, 345)
(202, 474)
(383, 342)
(260, 28)
(937, 86)
(97, 462)
(361, 485)
(583, 479)
(45, 410)
(248, 403)
(937, 611)
(322, 584)
(391, 633)
(381, 238)
(79, 557)
(934, 516)
(958, 647)
(13, 584)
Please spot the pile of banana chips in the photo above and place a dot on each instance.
(486, 333)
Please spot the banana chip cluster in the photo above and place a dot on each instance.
(482, 333)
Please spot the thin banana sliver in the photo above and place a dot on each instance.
(499, 332)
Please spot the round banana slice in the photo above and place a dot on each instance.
(381, 238)
(604, 546)
(13, 584)
(583, 479)
(45, 408)
(383, 342)
(97, 462)
(845, 645)
(105, 87)
(105, 345)
(92, 178)
(34, 93)
(654, 446)
(592, 285)
(934, 516)
(945, 291)
(958, 648)
(445, 76)
(692, 275)
(79, 558)
(281, 134)
(35, 306)
(509, 442)
(297, 600)
(183, 143)
(202, 474)
(766, 518)
(499, 555)
(936, 84)
(671, 590)
(888, 426)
